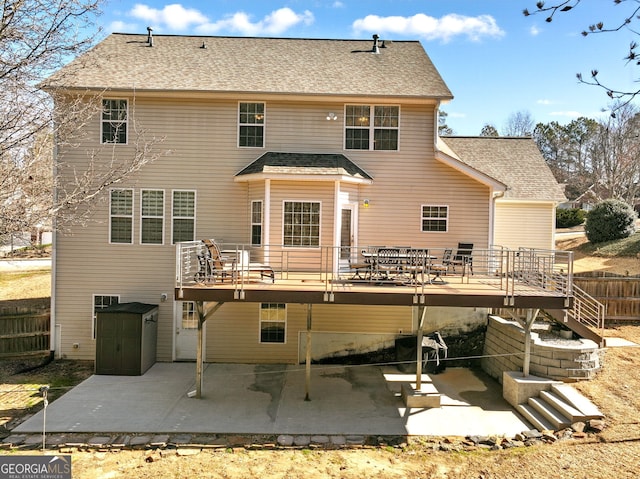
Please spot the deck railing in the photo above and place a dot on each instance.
(332, 267)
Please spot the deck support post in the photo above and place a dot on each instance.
(307, 382)
(204, 312)
(422, 312)
(531, 316)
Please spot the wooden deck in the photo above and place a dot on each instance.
(457, 291)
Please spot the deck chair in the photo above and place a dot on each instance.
(387, 262)
(417, 263)
(217, 267)
(441, 269)
(230, 265)
(463, 257)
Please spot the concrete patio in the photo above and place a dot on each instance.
(269, 399)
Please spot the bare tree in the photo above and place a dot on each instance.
(632, 55)
(615, 155)
(519, 123)
(37, 37)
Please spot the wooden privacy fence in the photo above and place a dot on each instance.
(620, 294)
(24, 328)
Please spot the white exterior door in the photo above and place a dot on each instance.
(186, 320)
(348, 246)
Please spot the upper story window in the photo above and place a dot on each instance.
(256, 223)
(184, 216)
(371, 127)
(114, 121)
(251, 125)
(151, 216)
(301, 223)
(435, 218)
(121, 216)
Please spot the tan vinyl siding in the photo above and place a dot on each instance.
(201, 154)
(530, 225)
(233, 332)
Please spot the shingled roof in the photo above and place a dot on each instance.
(255, 65)
(331, 164)
(515, 162)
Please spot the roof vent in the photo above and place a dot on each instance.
(150, 36)
(376, 48)
(204, 46)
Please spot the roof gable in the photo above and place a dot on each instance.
(513, 161)
(255, 65)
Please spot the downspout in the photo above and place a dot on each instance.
(492, 215)
(53, 338)
(337, 225)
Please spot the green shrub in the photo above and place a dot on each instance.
(610, 220)
(569, 218)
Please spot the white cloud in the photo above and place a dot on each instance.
(544, 102)
(567, 114)
(338, 4)
(454, 114)
(174, 16)
(430, 28)
(534, 31)
(275, 23)
(122, 27)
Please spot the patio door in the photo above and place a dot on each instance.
(347, 234)
(186, 321)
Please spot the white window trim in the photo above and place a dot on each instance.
(261, 223)
(94, 315)
(111, 216)
(195, 206)
(260, 321)
(162, 217)
(371, 127)
(319, 225)
(263, 125)
(126, 123)
(446, 219)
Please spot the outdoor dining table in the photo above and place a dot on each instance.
(399, 266)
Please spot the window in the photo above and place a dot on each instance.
(366, 133)
(121, 216)
(189, 316)
(251, 125)
(435, 218)
(101, 301)
(273, 322)
(301, 223)
(256, 223)
(151, 216)
(114, 121)
(184, 216)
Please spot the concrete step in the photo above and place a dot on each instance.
(571, 396)
(564, 408)
(555, 417)
(536, 419)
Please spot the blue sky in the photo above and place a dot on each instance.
(495, 60)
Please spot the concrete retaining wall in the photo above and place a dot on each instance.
(561, 359)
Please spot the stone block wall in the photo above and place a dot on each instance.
(561, 359)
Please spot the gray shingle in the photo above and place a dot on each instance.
(255, 65)
(516, 162)
(305, 163)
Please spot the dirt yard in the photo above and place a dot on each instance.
(614, 453)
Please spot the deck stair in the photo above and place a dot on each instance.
(558, 408)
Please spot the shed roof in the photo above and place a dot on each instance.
(514, 161)
(330, 164)
(255, 65)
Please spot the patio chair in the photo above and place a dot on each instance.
(417, 263)
(387, 263)
(216, 266)
(463, 257)
(360, 269)
(441, 269)
(229, 264)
